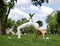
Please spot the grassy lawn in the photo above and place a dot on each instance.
(29, 40)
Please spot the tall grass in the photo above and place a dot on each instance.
(29, 40)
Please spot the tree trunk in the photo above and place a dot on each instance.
(2, 13)
(0, 26)
(4, 24)
(3, 28)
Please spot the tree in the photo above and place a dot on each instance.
(58, 22)
(19, 22)
(53, 22)
(5, 7)
(29, 29)
(58, 17)
(10, 23)
(39, 2)
(2, 9)
(31, 15)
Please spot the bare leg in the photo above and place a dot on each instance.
(36, 35)
(18, 33)
(43, 33)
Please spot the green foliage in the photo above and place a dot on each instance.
(10, 23)
(58, 30)
(38, 2)
(53, 21)
(29, 29)
(48, 29)
(24, 20)
(20, 22)
(49, 17)
(58, 17)
(31, 15)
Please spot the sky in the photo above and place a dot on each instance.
(23, 7)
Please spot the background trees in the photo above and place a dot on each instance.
(53, 21)
(5, 7)
(12, 24)
(39, 2)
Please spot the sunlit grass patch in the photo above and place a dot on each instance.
(29, 40)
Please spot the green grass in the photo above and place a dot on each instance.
(29, 40)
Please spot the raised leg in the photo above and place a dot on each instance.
(43, 33)
(36, 35)
(18, 33)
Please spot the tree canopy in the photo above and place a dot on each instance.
(39, 2)
(53, 22)
(5, 7)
